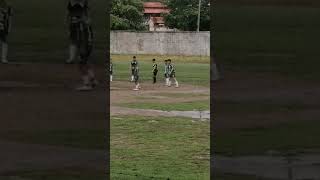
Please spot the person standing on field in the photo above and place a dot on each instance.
(172, 73)
(133, 65)
(5, 27)
(154, 70)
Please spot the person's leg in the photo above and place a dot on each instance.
(85, 78)
(86, 70)
(4, 47)
(132, 76)
(176, 82)
(136, 81)
(72, 53)
(167, 80)
(154, 77)
(4, 52)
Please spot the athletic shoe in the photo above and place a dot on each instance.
(84, 88)
(94, 83)
(136, 89)
(69, 61)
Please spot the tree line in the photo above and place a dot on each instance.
(128, 14)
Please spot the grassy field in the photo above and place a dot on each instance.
(145, 147)
(272, 40)
(39, 34)
(182, 106)
(189, 70)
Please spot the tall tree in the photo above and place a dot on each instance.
(184, 14)
(127, 15)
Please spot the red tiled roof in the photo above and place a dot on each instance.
(155, 8)
(153, 5)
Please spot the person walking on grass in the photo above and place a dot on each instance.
(154, 70)
(133, 65)
(172, 74)
(5, 26)
(81, 37)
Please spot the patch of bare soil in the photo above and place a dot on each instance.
(121, 92)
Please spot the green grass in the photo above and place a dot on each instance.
(66, 174)
(187, 73)
(39, 32)
(227, 176)
(144, 147)
(268, 39)
(183, 106)
(261, 106)
(80, 138)
(293, 136)
(181, 95)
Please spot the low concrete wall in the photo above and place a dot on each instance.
(162, 43)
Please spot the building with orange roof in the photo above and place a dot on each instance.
(153, 12)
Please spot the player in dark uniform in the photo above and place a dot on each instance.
(81, 37)
(154, 70)
(133, 65)
(172, 73)
(5, 26)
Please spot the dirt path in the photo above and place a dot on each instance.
(121, 92)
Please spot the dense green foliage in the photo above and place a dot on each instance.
(184, 14)
(127, 15)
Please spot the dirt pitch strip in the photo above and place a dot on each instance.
(121, 92)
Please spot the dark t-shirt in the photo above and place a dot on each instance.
(78, 9)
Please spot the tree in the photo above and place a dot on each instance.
(184, 14)
(127, 15)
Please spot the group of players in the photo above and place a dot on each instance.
(169, 72)
(80, 33)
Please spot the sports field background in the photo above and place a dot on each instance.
(268, 101)
(40, 32)
(45, 123)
